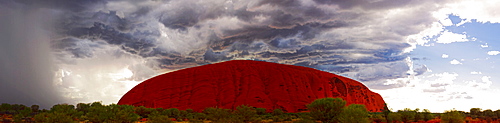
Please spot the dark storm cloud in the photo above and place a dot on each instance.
(268, 30)
(332, 35)
(129, 43)
(270, 34)
(120, 31)
(71, 5)
(368, 4)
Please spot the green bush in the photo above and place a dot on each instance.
(378, 118)
(156, 117)
(53, 117)
(217, 114)
(112, 113)
(326, 109)
(426, 115)
(394, 117)
(354, 113)
(143, 111)
(407, 115)
(453, 116)
(277, 112)
(246, 113)
(174, 113)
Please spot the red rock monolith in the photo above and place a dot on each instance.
(255, 83)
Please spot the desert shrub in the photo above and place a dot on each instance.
(326, 109)
(123, 113)
(426, 115)
(35, 108)
(279, 116)
(156, 117)
(217, 114)
(277, 112)
(196, 117)
(174, 113)
(354, 113)
(112, 113)
(453, 116)
(183, 115)
(407, 115)
(83, 107)
(378, 118)
(143, 111)
(246, 113)
(393, 117)
(261, 111)
(53, 117)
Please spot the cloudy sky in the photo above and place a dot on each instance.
(427, 54)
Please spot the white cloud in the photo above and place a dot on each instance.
(441, 91)
(448, 37)
(476, 73)
(486, 79)
(444, 56)
(484, 84)
(446, 22)
(485, 45)
(493, 53)
(103, 76)
(482, 10)
(449, 92)
(455, 62)
(424, 36)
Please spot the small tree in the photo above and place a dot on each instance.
(35, 108)
(174, 113)
(260, 111)
(475, 112)
(246, 113)
(83, 107)
(386, 112)
(354, 113)
(156, 117)
(489, 114)
(53, 117)
(407, 115)
(393, 117)
(143, 111)
(278, 115)
(378, 118)
(277, 112)
(97, 112)
(217, 114)
(418, 115)
(122, 113)
(453, 116)
(21, 114)
(326, 109)
(426, 115)
(497, 113)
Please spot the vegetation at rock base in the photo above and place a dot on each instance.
(325, 110)
(354, 113)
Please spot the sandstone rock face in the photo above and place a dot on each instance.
(255, 83)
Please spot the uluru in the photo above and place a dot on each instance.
(254, 83)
